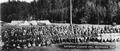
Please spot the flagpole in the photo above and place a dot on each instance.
(71, 27)
(70, 12)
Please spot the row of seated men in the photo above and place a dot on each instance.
(24, 44)
(79, 40)
(15, 44)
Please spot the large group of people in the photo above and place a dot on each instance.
(25, 37)
(22, 38)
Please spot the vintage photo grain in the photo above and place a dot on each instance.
(59, 25)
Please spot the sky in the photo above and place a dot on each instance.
(1, 1)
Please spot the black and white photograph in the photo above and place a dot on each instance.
(59, 25)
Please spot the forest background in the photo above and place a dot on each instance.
(84, 11)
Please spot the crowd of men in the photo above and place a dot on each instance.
(26, 37)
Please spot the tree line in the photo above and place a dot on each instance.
(84, 11)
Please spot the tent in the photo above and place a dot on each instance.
(16, 22)
(47, 22)
(33, 22)
(1, 21)
(25, 23)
